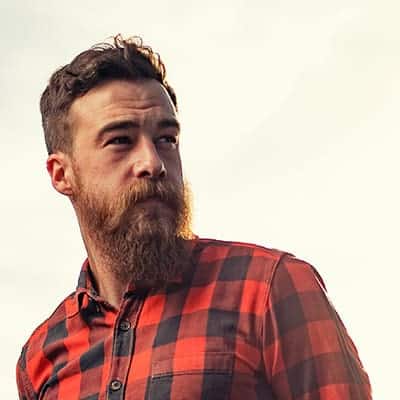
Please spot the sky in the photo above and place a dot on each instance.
(290, 140)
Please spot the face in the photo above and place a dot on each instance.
(124, 132)
(125, 176)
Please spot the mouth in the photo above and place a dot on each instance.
(153, 208)
(153, 204)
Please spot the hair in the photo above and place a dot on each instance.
(126, 59)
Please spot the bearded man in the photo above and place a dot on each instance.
(158, 312)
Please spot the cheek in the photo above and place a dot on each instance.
(174, 167)
(174, 174)
(110, 175)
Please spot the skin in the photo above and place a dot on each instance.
(123, 132)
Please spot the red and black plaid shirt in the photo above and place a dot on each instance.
(245, 323)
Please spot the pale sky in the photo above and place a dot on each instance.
(290, 113)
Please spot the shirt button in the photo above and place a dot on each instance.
(115, 385)
(124, 325)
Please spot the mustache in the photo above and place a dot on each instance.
(165, 191)
(119, 212)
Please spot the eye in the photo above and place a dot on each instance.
(119, 140)
(168, 140)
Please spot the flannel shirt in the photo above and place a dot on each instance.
(244, 322)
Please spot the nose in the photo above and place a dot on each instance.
(148, 163)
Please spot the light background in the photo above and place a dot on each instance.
(290, 113)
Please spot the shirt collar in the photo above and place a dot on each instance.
(84, 290)
(86, 281)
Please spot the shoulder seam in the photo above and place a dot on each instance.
(268, 290)
(273, 272)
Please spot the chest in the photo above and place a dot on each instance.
(189, 344)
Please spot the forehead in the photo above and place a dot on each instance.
(121, 99)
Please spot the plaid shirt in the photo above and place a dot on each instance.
(244, 323)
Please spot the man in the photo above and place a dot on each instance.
(158, 312)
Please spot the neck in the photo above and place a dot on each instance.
(109, 286)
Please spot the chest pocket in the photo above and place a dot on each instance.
(198, 376)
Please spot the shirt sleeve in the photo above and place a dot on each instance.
(307, 351)
(25, 390)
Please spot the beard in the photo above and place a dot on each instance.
(140, 233)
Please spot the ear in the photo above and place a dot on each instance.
(60, 171)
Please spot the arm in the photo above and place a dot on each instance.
(307, 351)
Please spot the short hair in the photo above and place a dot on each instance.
(126, 59)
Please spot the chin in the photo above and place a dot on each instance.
(154, 208)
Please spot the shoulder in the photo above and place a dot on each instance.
(214, 247)
(47, 331)
(298, 274)
(274, 264)
(233, 260)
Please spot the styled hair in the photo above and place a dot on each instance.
(126, 59)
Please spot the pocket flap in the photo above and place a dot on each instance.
(196, 363)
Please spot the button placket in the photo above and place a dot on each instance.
(123, 341)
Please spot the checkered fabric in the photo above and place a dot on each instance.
(245, 322)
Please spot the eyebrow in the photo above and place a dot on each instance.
(129, 124)
(126, 124)
(169, 123)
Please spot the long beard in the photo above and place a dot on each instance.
(139, 241)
